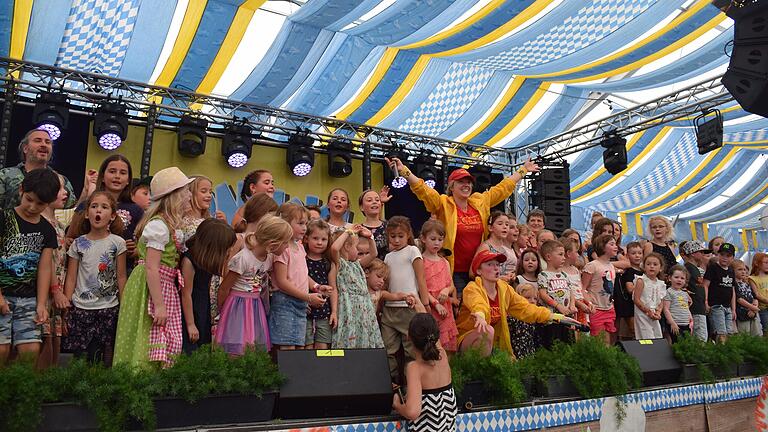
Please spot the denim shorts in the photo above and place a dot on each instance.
(460, 280)
(764, 320)
(319, 330)
(287, 320)
(18, 326)
(721, 319)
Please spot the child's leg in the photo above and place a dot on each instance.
(309, 338)
(5, 337)
(323, 334)
(391, 337)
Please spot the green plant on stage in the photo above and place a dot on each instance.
(19, 396)
(753, 349)
(498, 373)
(599, 370)
(708, 357)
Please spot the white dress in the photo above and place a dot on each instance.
(653, 294)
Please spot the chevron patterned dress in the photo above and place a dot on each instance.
(438, 411)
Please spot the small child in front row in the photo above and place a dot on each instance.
(677, 303)
(648, 295)
(747, 306)
(555, 291)
(523, 336)
(357, 327)
(96, 275)
(376, 276)
(406, 277)
(597, 281)
(243, 320)
(207, 254)
(622, 300)
(528, 268)
(295, 289)
(572, 273)
(27, 242)
(437, 275)
(320, 320)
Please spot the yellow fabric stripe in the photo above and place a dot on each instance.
(638, 224)
(754, 238)
(600, 171)
(187, 31)
(535, 98)
(705, 228)
(701, 4)
(744, 241)
(402, 91)
(477, 16)
(693, 229)
(507, 27)
(228, 47)
(655, 56)
(22, 14)
(649, 206)
(625, 223)
(517, 82)
(746, 143)
(378, 73)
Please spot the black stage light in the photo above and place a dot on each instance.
(110, 127)
(339, 158)
(425, 165)
(483, 180)
(191, 135)
(236, 144)
(615, 153)
(300, 156)
(51, 113)
(709, 134)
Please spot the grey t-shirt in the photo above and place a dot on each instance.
(678, 306)
(96, 286)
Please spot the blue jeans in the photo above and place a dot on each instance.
(700, 327)
(18, 326)
(460, 280)
(764, 320)
(721, 319)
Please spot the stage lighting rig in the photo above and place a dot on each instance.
(51, 113)
(615, 153)
(340, 158)
(236, 145)
(300, 155)
(191, 135)
(709, 133)
(110, 126)
(483, 180)
(425, 166)
(391, 175)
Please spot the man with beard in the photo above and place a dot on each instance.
(35, 150)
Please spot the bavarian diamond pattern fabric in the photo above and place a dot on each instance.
(590, 24)
(97, 34)
(682, 154)
(747, 136)
(456, 92)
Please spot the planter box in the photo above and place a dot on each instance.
(473, 395)
(66, 416)
(747, 369)
(529, 385)
(557, 387)
(213, 410)
(728, 371)
(690, 374)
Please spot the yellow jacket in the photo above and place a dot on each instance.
(475, 299)
(444, 208)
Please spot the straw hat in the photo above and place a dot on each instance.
(166, 181)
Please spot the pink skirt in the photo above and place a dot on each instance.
(243, 323)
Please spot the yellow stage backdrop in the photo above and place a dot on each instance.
(312, 189)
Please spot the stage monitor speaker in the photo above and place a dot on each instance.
(747, 75)
(656, 360)
(334, 383)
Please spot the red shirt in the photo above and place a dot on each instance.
(495, 311)
(469, 235)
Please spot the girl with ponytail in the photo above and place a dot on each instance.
(430, 404)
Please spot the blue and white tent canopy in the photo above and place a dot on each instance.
(490, 72)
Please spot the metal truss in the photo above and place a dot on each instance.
(688, 102)
(272, 125)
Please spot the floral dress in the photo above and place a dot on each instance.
(357, 326)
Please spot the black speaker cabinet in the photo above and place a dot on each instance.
(334, 383)
(656, 360)
(747, 75)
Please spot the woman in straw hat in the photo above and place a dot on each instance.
(149, 325)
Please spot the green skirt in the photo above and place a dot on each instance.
(134, 322)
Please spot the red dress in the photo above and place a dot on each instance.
(437, 274)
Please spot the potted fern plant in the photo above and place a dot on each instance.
(483, 380)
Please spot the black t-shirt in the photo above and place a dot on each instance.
(721, 283)
(622, 299)
(21, 244)
(696, 290)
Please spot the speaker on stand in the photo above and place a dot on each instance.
(550, 191)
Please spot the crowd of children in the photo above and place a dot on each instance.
(138, 281)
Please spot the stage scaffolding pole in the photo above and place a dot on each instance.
(5, 122)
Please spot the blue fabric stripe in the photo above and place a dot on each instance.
(6, 24)
(487, 24)
(399, 20)
(585, 164)
(261, 69)
(479, 107)
(508, 113)
(46, 30)
(432, 75)
(555, 118)
(740, 201)
(324, 13)
(305, 68)
(401, 66)
(622, 36)
(361, 9)
(214, 24)
(677, 33)
(440, 23)
(149, 33)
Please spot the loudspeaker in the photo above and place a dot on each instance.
(551, 192)
(747, 75)
(656, 360)
(334, 383)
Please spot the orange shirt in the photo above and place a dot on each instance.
(469, 235)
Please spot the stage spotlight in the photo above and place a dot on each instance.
(483, 180)
(392, 175)
(300, 155)
(192, 135)
(339, 158)
(236, 144)
(51, 113)
(615, 154)
(110, 127)
(425, 165)
(709, 134)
